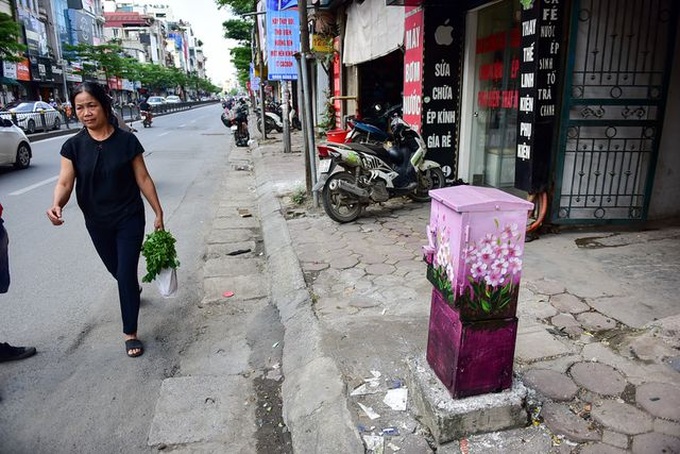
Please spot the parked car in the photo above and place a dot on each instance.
(15, 148)
(156, 100)
(29, 116)
(173, 99)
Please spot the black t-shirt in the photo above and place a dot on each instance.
(106, 188)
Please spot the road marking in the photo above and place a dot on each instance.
(34, 186)
(164, 134)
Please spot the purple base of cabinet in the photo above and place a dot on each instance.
(470, 358)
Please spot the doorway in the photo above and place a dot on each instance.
(490, 95)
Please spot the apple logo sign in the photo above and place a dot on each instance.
(443, 35)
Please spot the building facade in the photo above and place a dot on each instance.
(570, 100)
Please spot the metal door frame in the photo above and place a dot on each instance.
(595, 108)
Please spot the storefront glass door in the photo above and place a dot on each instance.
(496, 83)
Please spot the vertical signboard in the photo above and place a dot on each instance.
(337, 86)
(540, 61)
(283, 39)
(442, 50)
(413, 67)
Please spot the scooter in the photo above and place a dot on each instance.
(272, 122)
(373, 174)
(147, 118)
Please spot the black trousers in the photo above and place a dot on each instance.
(4, 258)
(119, 248)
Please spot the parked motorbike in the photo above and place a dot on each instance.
(371, 173)
(272, 121)
(236, 119)
(373, 129)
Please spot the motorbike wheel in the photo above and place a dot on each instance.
(339, 205)
(430, 179)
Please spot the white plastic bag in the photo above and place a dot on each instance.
(167, 282)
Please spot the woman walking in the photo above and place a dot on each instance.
(106, 164)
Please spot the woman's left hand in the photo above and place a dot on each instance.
(158, 223)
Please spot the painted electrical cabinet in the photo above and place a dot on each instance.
(474, 262)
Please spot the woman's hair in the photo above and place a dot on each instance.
(97, 92)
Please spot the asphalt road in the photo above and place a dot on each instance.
(81, 393)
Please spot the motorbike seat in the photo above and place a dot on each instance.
(375, 150)
(377, 133)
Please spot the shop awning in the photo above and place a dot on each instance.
(373, 30)
(8, 81)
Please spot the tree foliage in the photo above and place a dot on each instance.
(240, 30)
(111, 59)
(10, 47)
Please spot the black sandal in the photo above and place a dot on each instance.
(134, 344)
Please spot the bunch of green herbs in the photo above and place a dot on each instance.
(159, 251)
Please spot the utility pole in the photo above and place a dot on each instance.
(308, 126)
(260, 67)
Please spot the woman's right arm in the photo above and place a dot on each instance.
(62, 191)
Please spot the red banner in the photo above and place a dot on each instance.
(23, 70)
(413, 67)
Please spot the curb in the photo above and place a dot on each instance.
(314, 405)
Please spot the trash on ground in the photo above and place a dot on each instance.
(395, 383)
(375, 444)
(276, 344)
(369, 411)
(396, 398)
(371, 385)
(244, 212)
(393, 447)
(365, 388)
(390, 431)
(238, 252)
(228, 294)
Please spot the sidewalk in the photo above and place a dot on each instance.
(597, 347)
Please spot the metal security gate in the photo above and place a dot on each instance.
(617, 76)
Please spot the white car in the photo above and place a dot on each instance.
(30, 115)
(15, 148)
(156, 101)
(173, 99)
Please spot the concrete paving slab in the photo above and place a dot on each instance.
(225, 354)
(667, 427)
(566, 302)
(551, 383)
(655, 442)
(561, 420)
(595, 322)
(539, 344)
(622, 417)
(615, 439)
(242, 265)
(659, 399)
(197, 410)
(601, 448)
(450, 419)
(229, 235)
(598, 378)
(243, 287)
(236, 222)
